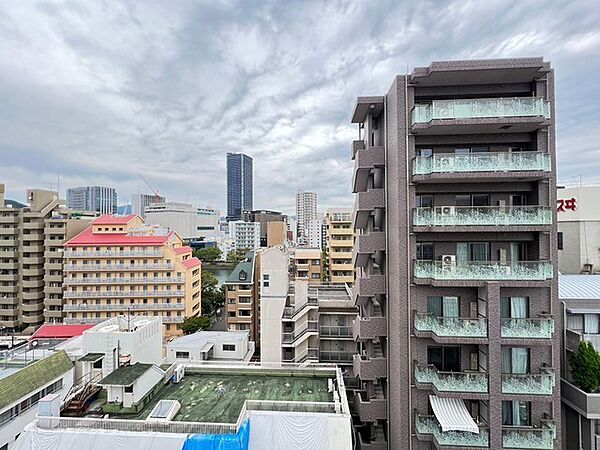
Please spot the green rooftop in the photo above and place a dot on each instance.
(247, 267)
(220, 397)
(33, 377)
(126, 375)
(91, 357)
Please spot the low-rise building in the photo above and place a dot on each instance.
(307, 264)
(120, 266)
(188, 221)
(211, 346)
(245, 235)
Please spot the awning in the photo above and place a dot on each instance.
(207, 347)
(576, 310)
(452, 414)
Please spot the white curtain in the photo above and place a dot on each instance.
(519, 360)
(575, 322)
(591, 323)
(516, 419)
(462, 252)
(451, 308)
(506, 360)
(518, 307)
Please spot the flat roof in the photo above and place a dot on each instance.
(201, 338)
(126, 375)
(219, 397)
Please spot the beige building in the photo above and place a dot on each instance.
(306, 264)
(340, 242)
(119, 266)
(31, 262)
(276, 233)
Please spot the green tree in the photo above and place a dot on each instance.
(192, 324)
(585, 367)
(237, 255)
(213, 296)
(208, 254)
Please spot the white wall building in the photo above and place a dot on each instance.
(222, 241)
(211, 346)
(245, 235)
(189, 221)
(139, 203)
(129, 384)
(306, 210)
(579, 229)
(314, 234)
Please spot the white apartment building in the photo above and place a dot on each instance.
(188, 221)
(139, 203)
(245, 235)
(314, 233)
(306, 210)
(222, 241)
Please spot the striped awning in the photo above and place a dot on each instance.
(452, 414)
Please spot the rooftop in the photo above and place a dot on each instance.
(183, 250)
(50, 331)
(109, 219)
(219, 397)
(87, 237)
(126, 375)
(579, 287)
(201, 338)
(247, 266)
(191, 263)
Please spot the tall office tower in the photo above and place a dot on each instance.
(306, 210)
(239, 185)
(339, 244)
(93, 198)
(120, 266)
(456, 253)
(139, 202)
(31, 258)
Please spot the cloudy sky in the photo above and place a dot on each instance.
(102, 91)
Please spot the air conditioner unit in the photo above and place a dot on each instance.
(178, 373)
(448, 260)
(447, 210)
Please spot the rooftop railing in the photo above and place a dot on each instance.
(483, 270)
(482, 162)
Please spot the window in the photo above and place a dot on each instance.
(516, 413)
(315, 276)
(230, 313)
(443, 306)
(425, 251)
(514, 307)
(243, 275)
(265, 280)
(182, 355)
(515, 360)
(559, 240)
(445, 359)
(425, 152)
(424, 201)
(316, 262)
(97, 364)
(129, 389)
(229, 347)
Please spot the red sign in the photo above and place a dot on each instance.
(565, 204)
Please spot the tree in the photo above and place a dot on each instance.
(237, 255)
(213, 296)
(192, 324)
(208, 254)
(585, 367)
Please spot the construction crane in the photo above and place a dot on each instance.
(154, 191)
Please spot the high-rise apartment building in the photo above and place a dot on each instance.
(455, 258)
(139, 203)
(245, 235)
(306, 210)
(31, 258)
(120, 266)
(239, 185)
(339, 245)
(93, 198)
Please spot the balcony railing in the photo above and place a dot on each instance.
(451, 381)
(291, 311)
(483, 270)
(113, 253)
(335, 331)
(451, 326)
(116, 294)
(103, 267)
(311, 326)
(95, 320)
(481, 108)
(527, 328)
(482, 162)
(124, 308)
(309, 353)
(482, 216)
(335, 356)
(541, 438)
(528, 383)
(95, 280)
(430, 425)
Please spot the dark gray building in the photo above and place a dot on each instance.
(93, 198)
(455, 257)
(239, 185)
(263, 216)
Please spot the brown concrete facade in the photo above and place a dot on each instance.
(480, 139)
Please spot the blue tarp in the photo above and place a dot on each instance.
(238, 441)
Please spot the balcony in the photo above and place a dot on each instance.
(9, 242)
(451, 327)
(365, 204)
(290, 312)
(369, 328)
(113, 294)
(428, 428)
(335, 356)
(587, 404)
(529, 383)
(312, 326)
(308, 354)
(94, 280)
(372, 409)
(483, 270)
(366, 159)
(486, 216)
(113, 253)
(366, 245)
(482, 162)
(95, 320)
(110, 267)
(539, 438)
(326, 331)
(124, 308)
(367, 287)
(469, 382)
(531, 328)
(368, 369)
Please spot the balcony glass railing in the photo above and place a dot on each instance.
(528, 383)
(482, 216)
(541, 438)
(531, 328)
(95, 280)
(483, 270)
(480, 108)
(482, 162)
(451, 381)
(113, 294)
(102, 267)
(451, 326)
(124, 308)
(335, 331)
(335, 356)
(430, 425)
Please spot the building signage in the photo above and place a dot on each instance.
(566, 204)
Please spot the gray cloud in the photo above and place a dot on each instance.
(103, 91)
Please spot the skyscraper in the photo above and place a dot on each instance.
(306, 210)
(139, 203)
(455, 256)
(93, 198)
(239, 185)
